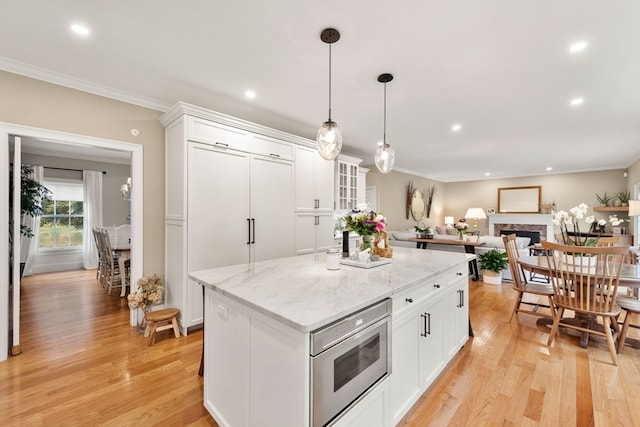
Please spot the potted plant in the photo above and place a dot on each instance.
(624, 197)
(605, 199)
(492, 263)
(423, 232)
(32, 194)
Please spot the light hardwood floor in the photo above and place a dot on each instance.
(82, 365)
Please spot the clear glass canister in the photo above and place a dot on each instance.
(333, 259)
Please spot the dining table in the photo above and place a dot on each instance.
(629, 278)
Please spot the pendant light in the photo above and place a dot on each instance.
(385, 157)
(329, 137)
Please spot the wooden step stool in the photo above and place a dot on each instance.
(161, 320)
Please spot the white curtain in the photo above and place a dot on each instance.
(29, 245)
(92, 216)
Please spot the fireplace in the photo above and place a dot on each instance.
(541, 223)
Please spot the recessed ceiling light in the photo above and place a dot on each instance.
(250, 94)
(577, 47)
(487, 174)
(80, 29)
(549, 168)
(577, 101)
(456, 127)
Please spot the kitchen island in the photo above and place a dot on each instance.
(259, 318)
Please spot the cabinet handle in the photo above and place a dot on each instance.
(221, 144)
(248, 231)
(274, 155)
(253, 238)
(409, 300)
(424, 325)
(458, 274)
(460, 298)
(429, 323)
(437, 286)
(316, 203)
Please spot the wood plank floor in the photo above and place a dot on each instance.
(82, 365)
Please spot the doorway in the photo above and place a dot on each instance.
(11, 133)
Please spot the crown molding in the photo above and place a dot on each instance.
(38, 73)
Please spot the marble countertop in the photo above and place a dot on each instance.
(300, 291)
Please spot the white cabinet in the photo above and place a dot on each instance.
(347, 182)
(457, 315)
(430, 324)
(259, 356)
(370, 411)
(313, 201)
(314, 232)
(229, 200)
(314, 180)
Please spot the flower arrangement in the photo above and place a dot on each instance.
(462, 227)
(149, 292)
(364, 223)
(615, 221)
(565, 219)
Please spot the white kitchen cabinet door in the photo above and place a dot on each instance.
(314, 232)
(272, 214)
(456, 317)
(405, 380)
(431, 326)
(346, 185)
(219, 211)
(371, 411)
(314, 180)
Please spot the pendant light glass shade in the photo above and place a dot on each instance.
(329, 136)
(385, 157)
(329, 140)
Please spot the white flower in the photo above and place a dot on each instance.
(590, 219)
(602, 222)
(615, 221)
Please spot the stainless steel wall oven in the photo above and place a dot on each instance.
(349, 357)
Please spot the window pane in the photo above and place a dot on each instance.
(76, 223)
(77, 208)
(76, 238)
(46, 222)
(62, 239)
(46, 239)
(62, 207)
(47, 207)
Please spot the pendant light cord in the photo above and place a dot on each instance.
(329, 81)
(384, 130)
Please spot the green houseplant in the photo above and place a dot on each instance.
(623, 197)
(492, 263)
(423, 232)
(604, 199)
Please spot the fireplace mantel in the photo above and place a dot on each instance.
(528, 222)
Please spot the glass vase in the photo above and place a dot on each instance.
(367, 242)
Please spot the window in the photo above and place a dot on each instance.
(63, 216)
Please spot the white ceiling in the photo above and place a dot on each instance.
(500, 68)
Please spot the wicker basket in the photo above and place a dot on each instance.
(387, 251)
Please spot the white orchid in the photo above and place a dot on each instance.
(615, 221)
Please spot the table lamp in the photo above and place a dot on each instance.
(475, 214)
(448, 221)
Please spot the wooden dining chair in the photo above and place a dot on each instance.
(521, 287)
(630, 307)
(101, 262)
(113, 276)
(585, 280)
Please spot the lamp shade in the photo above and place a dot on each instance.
(448, 220)
(634, 207)
(475, 213)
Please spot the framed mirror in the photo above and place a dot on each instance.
(417, 205)
(519, 199)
